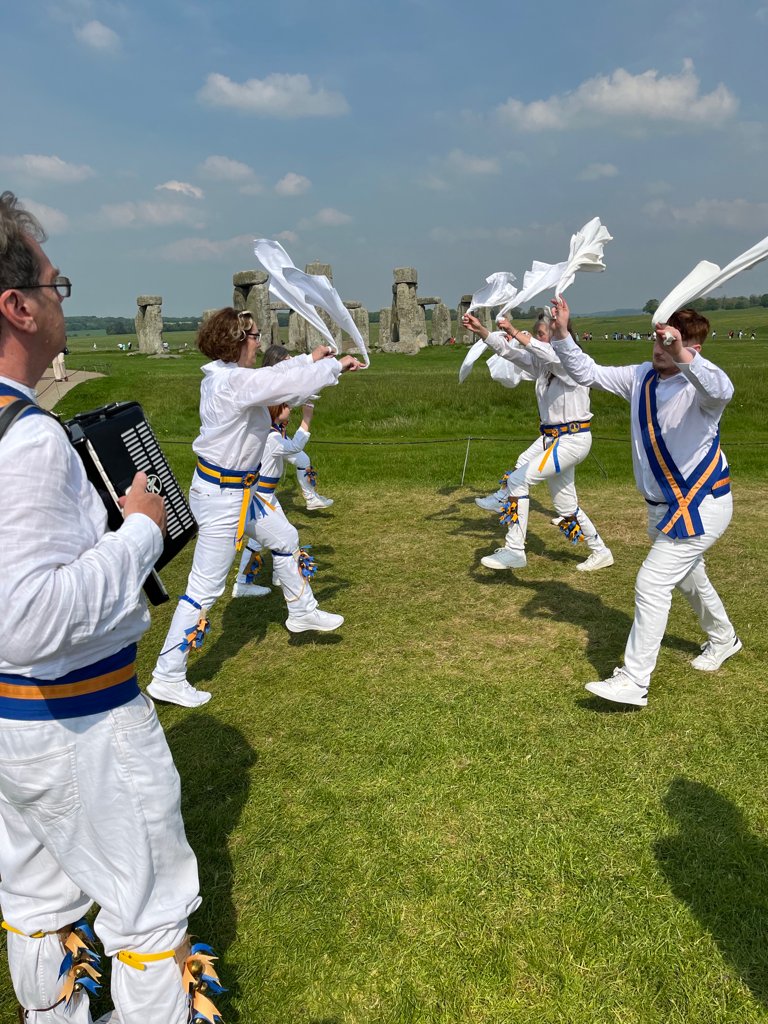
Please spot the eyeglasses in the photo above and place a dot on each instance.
(253, 334)
(62, 285)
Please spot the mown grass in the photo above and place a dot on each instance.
(424, 817)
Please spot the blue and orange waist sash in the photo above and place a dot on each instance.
(553, 432)
(683, 495)
(236, 479)
(104, 685)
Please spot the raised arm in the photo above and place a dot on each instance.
(500, 343)
(583, 368)
(289, 381)
(713, 386)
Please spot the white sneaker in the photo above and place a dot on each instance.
(249, 590)
(493, 503)
(323, 622)
(713, 655)
(182, 693)
(597, 560)
(620, 689)
(505, 558)
(318, 501)
(556, 520)
(109, 1018)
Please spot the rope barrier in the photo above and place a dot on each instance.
(472, 437)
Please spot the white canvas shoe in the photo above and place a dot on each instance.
(556, 520)
(323, 622)
(316, 501)
(493, 503)
(713, 655)
(597, 560)
(505, 558)
(620, 689)
(249, 590)
(182, 693)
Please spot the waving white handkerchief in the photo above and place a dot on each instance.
(586, 252)
(318, 290)
(275, 260)
(470, 359)
(506, 373)
(541, 277)
(498, 289)
(704, 278)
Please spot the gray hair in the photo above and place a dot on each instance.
(18, 264)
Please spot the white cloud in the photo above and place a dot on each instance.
(98, 36)
(274, 96)
(221, 168)
(54, 221)
(648, 96)
(288, 236)
(737, 214)
(182, 187)
(434, 183)
(475, 234)
(465, 163)
(328, 217)
(293, 185)
(46, 168)
(253, 188)
(202, 250)
(146, 213)
(593, 172)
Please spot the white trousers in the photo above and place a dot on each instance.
(273, 532)
(217, 511)
(90, 812)
(677, 564)
(553, 463)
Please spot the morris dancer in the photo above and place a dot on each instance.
(676, 403)
(235, 423)
(565, 442)
(272, 530)
(89, 795)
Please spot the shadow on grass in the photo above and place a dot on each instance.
(718, 868)
(607, 628)
(214, 761)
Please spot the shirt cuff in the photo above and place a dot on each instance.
(145, 535)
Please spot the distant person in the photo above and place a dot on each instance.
(59, 368)
(676, 401)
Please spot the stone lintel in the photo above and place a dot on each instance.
(428, 301)
(149, 300)
(405, 275)
(246, 277)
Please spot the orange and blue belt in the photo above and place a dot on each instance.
(555, 431)
(233, 479)
(104, 685)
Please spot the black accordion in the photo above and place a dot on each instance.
(116, 442)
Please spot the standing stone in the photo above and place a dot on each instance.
(252, 293)
(409, 325)
(362, 322)
(463, 337)
(441, 324)
(297, 333)
(149, 324)
(385, 331)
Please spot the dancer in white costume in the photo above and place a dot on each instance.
(676, 402)
(272, 530)
(565, 442)
(89, 795)
(235, 424)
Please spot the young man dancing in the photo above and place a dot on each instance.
(676, 403)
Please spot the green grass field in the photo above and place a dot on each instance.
(424, 817)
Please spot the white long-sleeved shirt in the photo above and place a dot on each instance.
(689, 405)
(234, 419)
(279, 448)
(559, 397)
(70, 590)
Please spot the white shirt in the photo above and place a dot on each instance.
(234, 419)
(689, 406)
(559, 397)
(70, 591)
(278, 448)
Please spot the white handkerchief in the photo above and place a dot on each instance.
(471, 358)
(704, 278)
(276, 261)
(318, 290)
(586, 252)
(498, 289)
(506, 373)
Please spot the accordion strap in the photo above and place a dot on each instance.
(16, 408)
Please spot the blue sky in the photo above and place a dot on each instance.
(155, 140)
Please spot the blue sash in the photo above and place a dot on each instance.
(682, 496)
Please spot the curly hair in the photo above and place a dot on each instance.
(222, 336)
(692, 325)
(18, 264)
